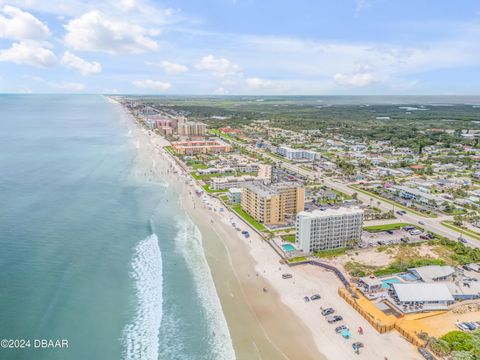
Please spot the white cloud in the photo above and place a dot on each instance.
(262, 84)
(218, 66)
(358, 79)
(173, 68)
(72, 61)
(29, 53)
(95, 32)
(21, 25)
(221, 91)
(68, 86)
(149, 84)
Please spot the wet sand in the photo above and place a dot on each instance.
(260, 324)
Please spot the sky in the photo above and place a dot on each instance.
(236, 47)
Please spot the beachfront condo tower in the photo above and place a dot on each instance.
(271, 204)
(319, 230)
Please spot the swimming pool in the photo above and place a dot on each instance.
(288, 247)
(386, 282)
(408, 277)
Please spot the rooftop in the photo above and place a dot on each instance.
(330, 212)
(421, 292)
(432, 272)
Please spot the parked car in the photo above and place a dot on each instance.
(390, 232)
(334, 318)
(340, 328)
(461, 239)
(328, 311)
(426, 354)
(357, 345)
(399, 213)
(315, 297)
(287, 276)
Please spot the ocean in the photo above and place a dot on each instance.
(95, 249)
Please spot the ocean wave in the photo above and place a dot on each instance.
(140, 337)
(189, 243)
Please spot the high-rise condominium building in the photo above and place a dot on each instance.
(329, 229)
(271, 204)
(191, 129)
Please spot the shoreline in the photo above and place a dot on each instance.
(276, 324)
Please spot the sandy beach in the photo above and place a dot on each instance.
(276, 324)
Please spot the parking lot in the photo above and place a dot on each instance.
(391, 237)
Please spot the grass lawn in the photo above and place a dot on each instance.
(207, 189)
(297, 259)
(385, 227)
(289, 238)
(331, 253)
(342, 194)
(197, 166)
(170, 150)
(391, 202)
(248, 218)
(224, 198)
(465, 231)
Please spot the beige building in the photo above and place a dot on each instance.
(272, 204)
(191, 129)
(201, 147)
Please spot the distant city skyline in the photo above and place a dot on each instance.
(357, 47)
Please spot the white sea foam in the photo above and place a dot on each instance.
(189, 243)
(140, 337)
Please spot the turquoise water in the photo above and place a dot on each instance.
(386, 282)
(91, 251)
(288, 247)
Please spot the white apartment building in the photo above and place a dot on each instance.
(297, 154)
(329, 229)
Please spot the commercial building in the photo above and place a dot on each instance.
(271, 204)
(329, 229)
(297, 154)
(437, 295)
(201, 147)
(433, 273)
(191, 129)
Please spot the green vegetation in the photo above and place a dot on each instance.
(461, 229)
(331, 253)
(289, 238)
(403, 128)
(458, 252)
(385, 227)
(457, 345)
(247, 217)
(207, 189)
(170, 150)
(357, 269)
(297, 259)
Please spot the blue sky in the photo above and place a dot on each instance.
(286, 47)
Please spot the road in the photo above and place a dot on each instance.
(429, 224)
